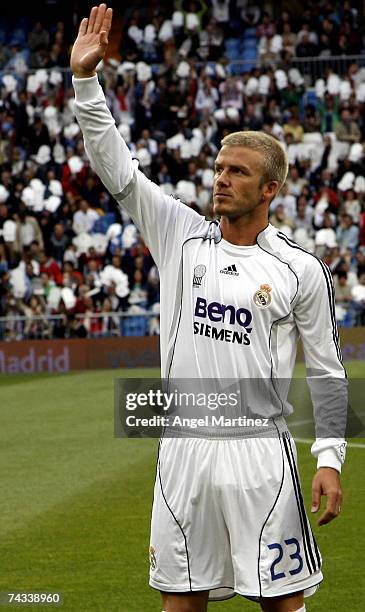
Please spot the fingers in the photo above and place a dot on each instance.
(327, 482)
(83, 27)
(316, 497)
(107, 21)
(333, 507)
(99, 18)
(103, 39)
(327, 517)
(92, 19)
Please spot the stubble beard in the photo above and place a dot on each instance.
(237, 212)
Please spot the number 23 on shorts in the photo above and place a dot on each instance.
(291, 548)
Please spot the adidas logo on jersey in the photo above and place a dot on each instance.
(232, 270)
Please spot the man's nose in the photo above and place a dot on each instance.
(223, 178)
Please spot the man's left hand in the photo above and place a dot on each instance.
(327, 482)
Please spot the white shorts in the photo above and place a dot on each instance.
(228, 517)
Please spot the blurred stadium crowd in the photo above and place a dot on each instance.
(185, 75)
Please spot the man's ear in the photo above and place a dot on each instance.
(271, 189)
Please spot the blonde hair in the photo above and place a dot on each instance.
(275, 160)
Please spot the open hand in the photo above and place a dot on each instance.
(91, 42)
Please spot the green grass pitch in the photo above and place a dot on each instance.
(75, 501)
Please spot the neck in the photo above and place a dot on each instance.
(243, 231)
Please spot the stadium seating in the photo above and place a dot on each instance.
(176, 148)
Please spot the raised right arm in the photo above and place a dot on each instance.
(108, 153)
(164, 222)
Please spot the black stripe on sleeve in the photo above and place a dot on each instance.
(330, 292)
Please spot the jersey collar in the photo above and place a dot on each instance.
(261, 236)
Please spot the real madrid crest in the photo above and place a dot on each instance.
(262, 297)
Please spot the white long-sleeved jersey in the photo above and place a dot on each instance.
(227, 311)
